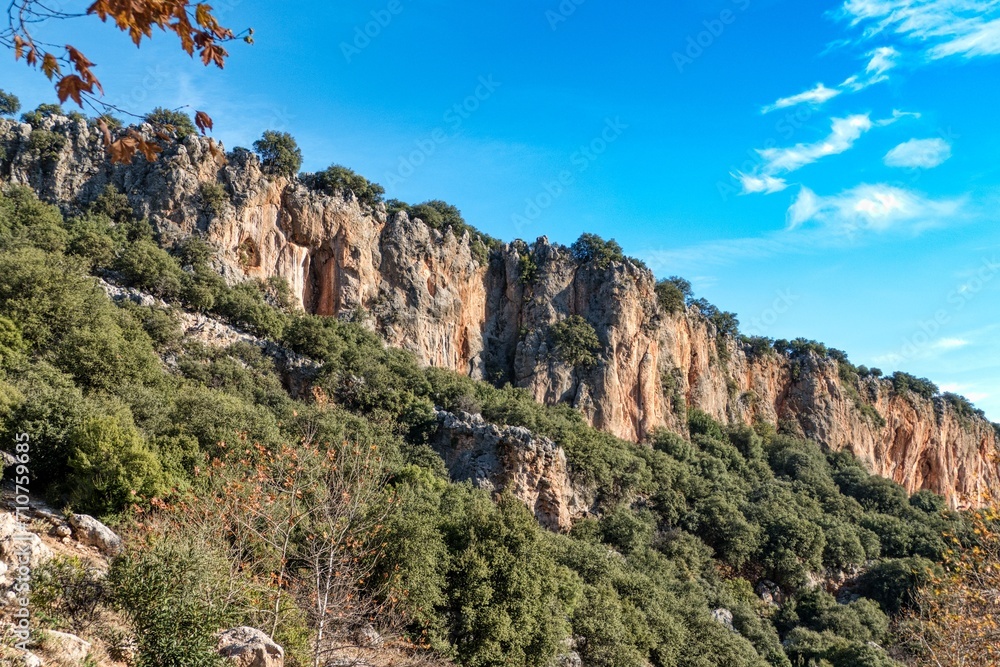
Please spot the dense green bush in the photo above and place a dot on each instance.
(591, 248)
(337, 177)
(672, 293)
(214, 197)
(279, 153)
(173, 121)
(40, 113)
(575, 341)
(903, 383)
(175, 596)
(46, 145)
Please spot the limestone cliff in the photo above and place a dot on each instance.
(430, 292)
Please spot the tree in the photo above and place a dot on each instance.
(9, 103)
(337, 177)
(592, 248)
(170, 120)
(955, 618)
(279, 153)
(672, 293)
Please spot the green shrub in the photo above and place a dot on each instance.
(725, 323)
(175, 597)
(337, 177)
(962, 406)
(575, 341)
(903, 383)
(115, 206)
(172, 121)
(112, 466)
(279, 153)
(214, 198)
(149, 267)
(672, 293)
(527, 268)
(591, 248)
(69, 592)
(46, 145)
(893, 583)
(246, 305)
(41, 112)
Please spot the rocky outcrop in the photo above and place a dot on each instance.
(19, 547)
(249, 647)
(92, 533)
(509, 458)
(430, 292)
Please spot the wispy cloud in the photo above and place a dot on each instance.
(775, 162)
(919, 154)
(764, 184)
(950, 343)
(815, 96)
(881, 60)
(939, 28)
(875, 208)
(844, 132)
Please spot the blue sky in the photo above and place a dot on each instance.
(824, 169)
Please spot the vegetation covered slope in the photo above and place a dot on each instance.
(192, 451)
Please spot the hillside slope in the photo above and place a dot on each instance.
(489, 314)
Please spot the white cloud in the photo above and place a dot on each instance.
(815, 96)
(950, 343)
(881, 60)
(843, 133)
(919, 154)
(766, 184)
(942, 28)
(984, 40)
(876, 208)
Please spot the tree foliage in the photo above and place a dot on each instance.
(279, 153)
(954, 618)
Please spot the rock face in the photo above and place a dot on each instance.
(19, 547)
(531, 468)
(249, 647)
(428, 292)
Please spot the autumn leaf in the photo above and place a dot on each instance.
(70, 87)
(203, 121)
(50, 66)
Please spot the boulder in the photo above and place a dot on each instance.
(64, 648)
(723, 616)
(249, 647)
(93, 533)
(770, 592)
(367, 636)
